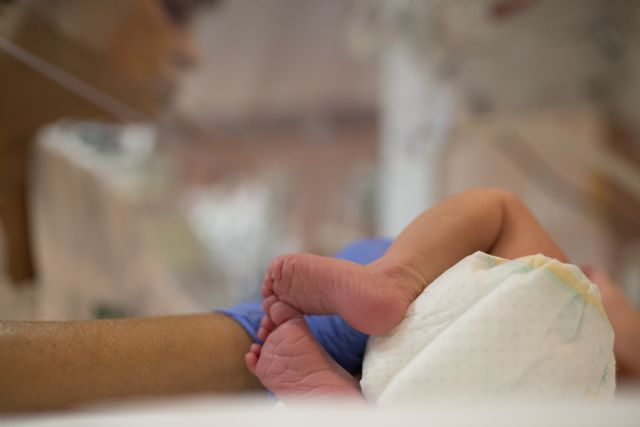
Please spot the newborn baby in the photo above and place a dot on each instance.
(375, 298)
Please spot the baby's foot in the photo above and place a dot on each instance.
(371, 299)
(292, 363)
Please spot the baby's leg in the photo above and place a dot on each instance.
(292, 363)
(374, 298)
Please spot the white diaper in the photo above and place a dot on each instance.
(494, 327)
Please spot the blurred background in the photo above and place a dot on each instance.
(155, 155)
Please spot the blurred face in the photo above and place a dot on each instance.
(151, 48)
(134, 50)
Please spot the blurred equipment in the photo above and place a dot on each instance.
(116, 235)
(534, 96)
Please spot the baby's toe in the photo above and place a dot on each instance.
(280, 312)
(268, 302)
(266, 326)
(251, 358)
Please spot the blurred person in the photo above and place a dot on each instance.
(133, 51)
(48, 365)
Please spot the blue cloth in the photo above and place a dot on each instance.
(342, 342)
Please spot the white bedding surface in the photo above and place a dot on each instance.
(214, 411)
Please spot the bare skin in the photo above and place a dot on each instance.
(625, 320)
(54, 365)
(293, 363)
(375, 297)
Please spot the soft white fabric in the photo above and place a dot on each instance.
(493, 327)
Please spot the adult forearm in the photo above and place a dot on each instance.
(46, 365)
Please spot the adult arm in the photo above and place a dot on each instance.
(51, 365)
